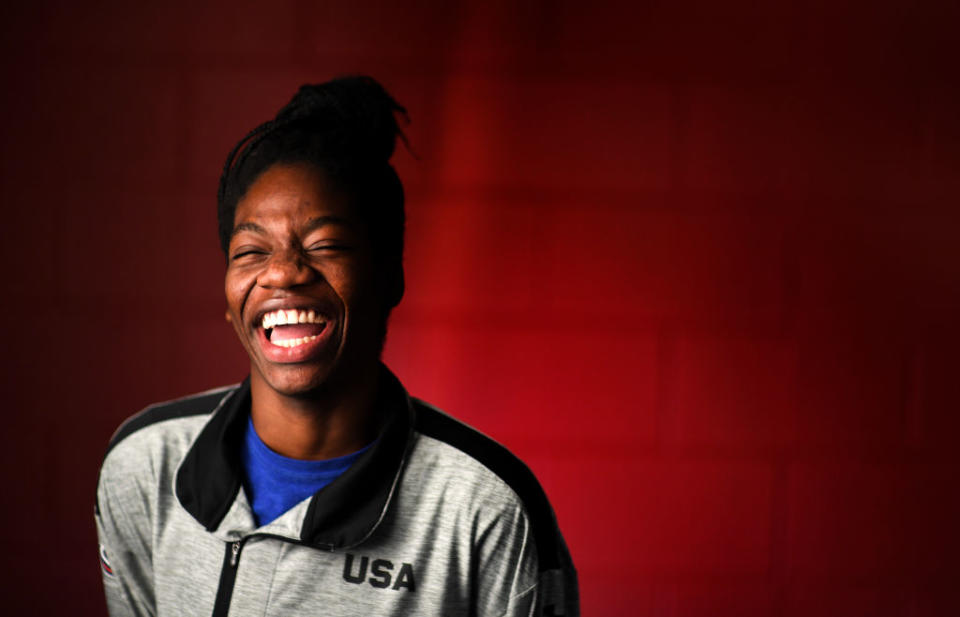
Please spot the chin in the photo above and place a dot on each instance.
(295, 382)
(325, 374)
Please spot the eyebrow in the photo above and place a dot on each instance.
(320, 221)
(314, 223)
(247, 227)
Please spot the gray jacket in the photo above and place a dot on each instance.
(434, 519)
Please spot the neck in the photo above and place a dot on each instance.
(338, 420)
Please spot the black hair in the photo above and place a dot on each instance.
(347, 128)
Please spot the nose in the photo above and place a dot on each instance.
(286, 268)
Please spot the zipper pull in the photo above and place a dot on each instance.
(235, 554)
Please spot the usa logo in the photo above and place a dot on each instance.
(104, 562)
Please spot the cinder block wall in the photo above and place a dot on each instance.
(695, 262)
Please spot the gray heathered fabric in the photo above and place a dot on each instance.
(463, 531)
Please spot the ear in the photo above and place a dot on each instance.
(226, 314)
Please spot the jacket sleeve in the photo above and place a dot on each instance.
(123, 529)
(514, 580)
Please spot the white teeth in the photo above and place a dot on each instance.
(285, 317)
(295, 342)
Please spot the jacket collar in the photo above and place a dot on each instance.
(342, 514)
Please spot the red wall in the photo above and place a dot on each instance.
(695, 262)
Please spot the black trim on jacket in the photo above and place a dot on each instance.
(348, 510)
(340, 515)
(508, 467)
(210, 475)
(194, 405)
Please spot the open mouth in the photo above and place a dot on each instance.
(292, 328)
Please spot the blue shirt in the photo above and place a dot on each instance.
(275, 483)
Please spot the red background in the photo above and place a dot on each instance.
(695, 262)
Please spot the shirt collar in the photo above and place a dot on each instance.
(342, 514)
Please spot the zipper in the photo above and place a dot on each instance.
(228, 577)
(231, 559)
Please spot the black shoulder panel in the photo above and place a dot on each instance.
(193, 405)
(508, 467)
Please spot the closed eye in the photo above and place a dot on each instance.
(328, 247)
(247, 252)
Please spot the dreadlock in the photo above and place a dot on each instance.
(347, 128)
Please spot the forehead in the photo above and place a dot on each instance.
(288, 194)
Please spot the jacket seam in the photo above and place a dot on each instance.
(513, 599)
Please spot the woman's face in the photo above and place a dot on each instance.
(300, 284)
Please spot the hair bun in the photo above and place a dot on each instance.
(354, 116)
(347, 128)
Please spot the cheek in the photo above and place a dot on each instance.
(235, 290)
(356, 285)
